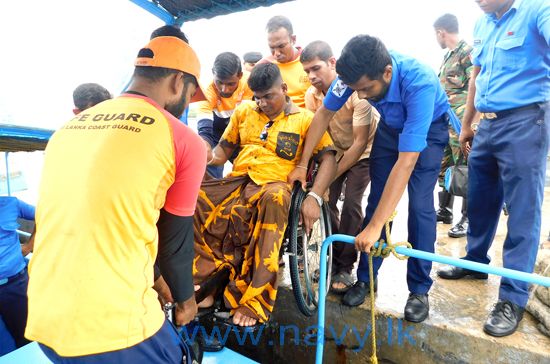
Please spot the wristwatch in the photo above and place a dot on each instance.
(317, 198)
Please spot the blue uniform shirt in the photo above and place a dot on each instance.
(11, 259)
(514, 56)
(413, 101)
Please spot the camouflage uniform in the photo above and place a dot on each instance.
(454, 76)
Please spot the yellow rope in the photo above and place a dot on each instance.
(384, 253)
(373, 358)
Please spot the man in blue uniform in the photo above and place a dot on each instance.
(406, 152)
(507, 162)
(13, 267)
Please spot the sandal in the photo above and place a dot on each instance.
(341, 277)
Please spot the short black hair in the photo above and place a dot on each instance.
(90, 94)
(158, 73)
(362, 56)
(316, 49)
(447, 22)
(263, 77)
(252, 57)
(227, 64)
(277, 22)
(169, 31)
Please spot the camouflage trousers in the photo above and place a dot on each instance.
(240, 225)
(451, 155)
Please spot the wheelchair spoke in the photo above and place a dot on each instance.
(312, 248)
(305, 256)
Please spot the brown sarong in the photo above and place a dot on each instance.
(240, 225)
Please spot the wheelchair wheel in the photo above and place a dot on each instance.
(304, 255)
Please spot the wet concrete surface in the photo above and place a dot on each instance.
(453, 333)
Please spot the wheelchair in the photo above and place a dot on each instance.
(304, 250)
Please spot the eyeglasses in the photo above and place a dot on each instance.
(263, 135)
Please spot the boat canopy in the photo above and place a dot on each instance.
(176, 12)
(15, 138)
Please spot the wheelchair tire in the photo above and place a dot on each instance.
(304, 267)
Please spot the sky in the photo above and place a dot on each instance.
(44, 57)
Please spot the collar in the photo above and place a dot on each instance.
(515, 6)
(461, 44)
(135, 93)
(290, 107)
(394, 93)
(139, 95)
(458, 47)
(318, 94)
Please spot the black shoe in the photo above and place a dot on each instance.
(504, 319)
(452, 272)
(444, 215)
(357, 293)
(460, 229)
(417, 307)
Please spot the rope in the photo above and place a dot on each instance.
(384, 253)
(373, 358)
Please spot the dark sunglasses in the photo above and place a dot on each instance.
(263, 135)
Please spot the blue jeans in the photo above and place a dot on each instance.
(422, 219)
(508, 164)
(13, 306)
(165, 346)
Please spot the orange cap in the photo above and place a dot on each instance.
(173, 53)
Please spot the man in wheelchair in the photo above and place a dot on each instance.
(240, 220)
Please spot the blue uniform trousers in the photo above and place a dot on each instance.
(13, 306)
(507, 164)
(166, 346)
(422, 217)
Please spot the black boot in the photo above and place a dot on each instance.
(445, 212)
(461, 228)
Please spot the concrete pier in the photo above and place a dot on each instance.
(453, 333)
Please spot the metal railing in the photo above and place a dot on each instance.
(466, 264)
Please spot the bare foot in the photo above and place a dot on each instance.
(207, 302)
(339, 285)
(242, 317)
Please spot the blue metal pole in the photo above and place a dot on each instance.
(156, 11)
(322, 292)
(466, 264)
(7, 173)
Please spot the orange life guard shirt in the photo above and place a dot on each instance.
(107, 173)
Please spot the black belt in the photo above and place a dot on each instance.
(503, 113)
(9, 279)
